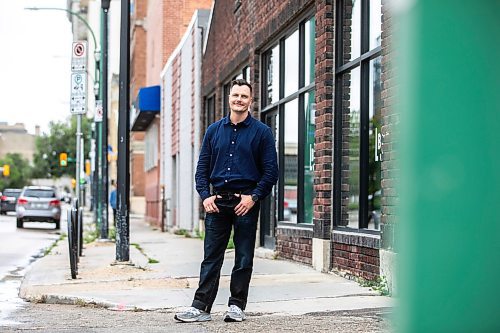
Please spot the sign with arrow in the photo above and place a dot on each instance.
(78, 102)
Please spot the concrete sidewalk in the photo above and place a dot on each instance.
(277, 287)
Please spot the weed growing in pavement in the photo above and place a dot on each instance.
(90, 235)
(379, 285)
(112, 234)
(150, 260)
(182, 232)
(49, 249)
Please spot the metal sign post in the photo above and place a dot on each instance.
(78, 102)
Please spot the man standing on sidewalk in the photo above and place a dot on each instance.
(238, 159)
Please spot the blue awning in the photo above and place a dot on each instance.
(148, 106)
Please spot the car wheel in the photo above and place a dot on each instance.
(19, 223)
(58, 224)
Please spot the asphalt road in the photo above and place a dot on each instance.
(68, 318)
(18, 248)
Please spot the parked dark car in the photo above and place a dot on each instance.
(38, 204)
(8, 200)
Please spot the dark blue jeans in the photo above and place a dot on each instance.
(217, 232)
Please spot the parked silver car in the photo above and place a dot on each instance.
(8, 200)
(38, 204)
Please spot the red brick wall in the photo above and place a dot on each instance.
(138, 55)
(323, 162)
(389, 127)
(137, 80)
(355, 260)
(178, 14)
(294, 248)
(137, 174)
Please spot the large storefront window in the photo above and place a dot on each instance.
(357, 174)
(287, 95)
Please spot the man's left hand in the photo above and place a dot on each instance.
(245, 205)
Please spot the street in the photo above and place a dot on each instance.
(69, 318)
(20, 247)
(277, 304)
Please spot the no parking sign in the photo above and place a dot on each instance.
(79, 56)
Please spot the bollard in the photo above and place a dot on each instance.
(72, 256)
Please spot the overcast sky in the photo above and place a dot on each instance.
(35, 60)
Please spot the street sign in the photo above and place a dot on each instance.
(78, 101)
(79, 56)
(98, 111)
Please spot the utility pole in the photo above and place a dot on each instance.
(104, 146)
(123, 190)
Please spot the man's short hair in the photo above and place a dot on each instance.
(241, 82)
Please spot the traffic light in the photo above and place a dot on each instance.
(63, 159)
(6, 170)
(87, 167)
(73, 183)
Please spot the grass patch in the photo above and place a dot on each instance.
(183, 232)
(379, 285)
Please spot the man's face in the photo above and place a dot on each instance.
(240, 98)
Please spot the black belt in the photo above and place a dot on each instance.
(230, 193)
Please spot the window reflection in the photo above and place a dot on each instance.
(350, 148)
(375, 23)
(375, 156)
(352, 30)
(291, 141)
(273, 75)
(246, 74)
(292, 63)
(310, 129)
(310, 50)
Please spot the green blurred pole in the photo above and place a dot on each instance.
(99, 130)
(449, 70)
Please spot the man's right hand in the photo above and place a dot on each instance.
(209, 204)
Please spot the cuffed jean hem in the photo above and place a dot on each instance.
(200, 306)
(237, 302)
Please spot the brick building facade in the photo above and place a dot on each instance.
(137, 80)
(165, 23)
(321, 77)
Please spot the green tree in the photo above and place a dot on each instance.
(20, 171)
(61, 139)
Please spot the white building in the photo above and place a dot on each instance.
(181, 112)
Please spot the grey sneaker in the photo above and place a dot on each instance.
(234, 313)
(192, 314)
